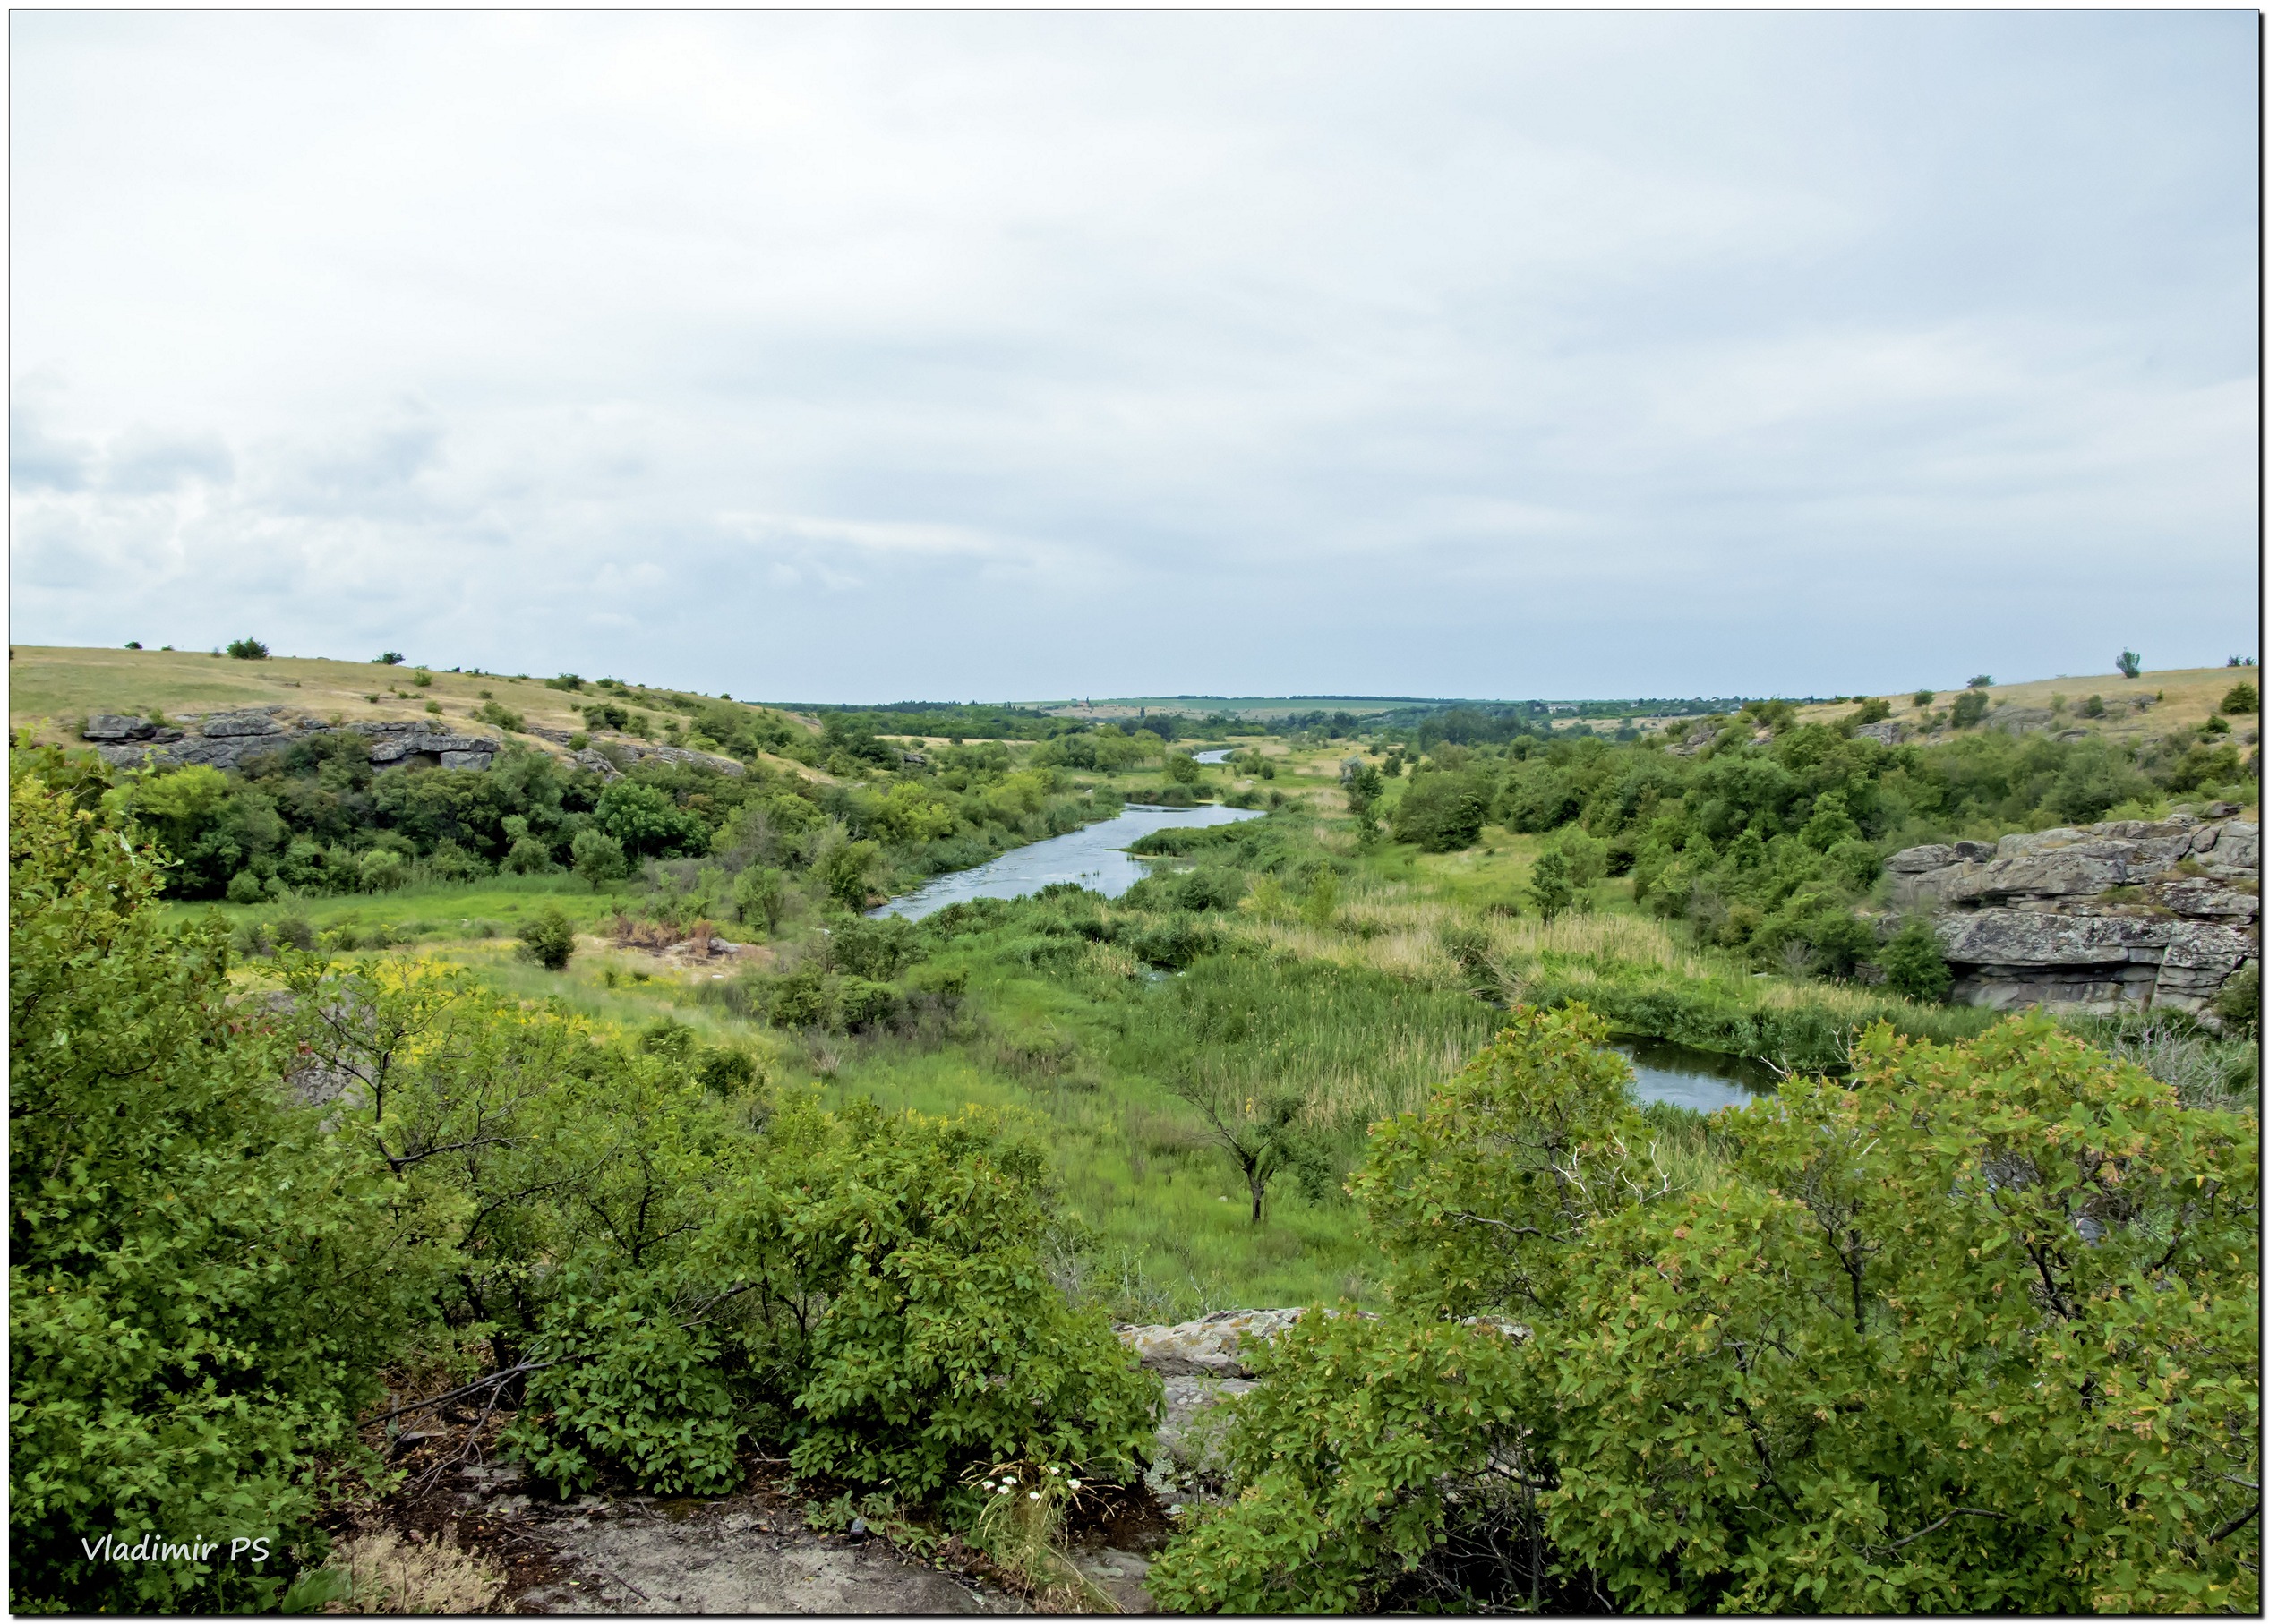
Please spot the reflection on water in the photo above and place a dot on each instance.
(1693, 1077)
(1090, 857)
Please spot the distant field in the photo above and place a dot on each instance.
(1207, 704)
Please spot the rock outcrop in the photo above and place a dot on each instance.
(230, 739)
(2125, 912)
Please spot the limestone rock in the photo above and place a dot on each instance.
(2127, 911)
(111, 729)
(1210, 1346)
(241, 724)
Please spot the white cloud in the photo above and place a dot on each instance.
(890, 354)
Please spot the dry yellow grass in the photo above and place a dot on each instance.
(50, 689)
(388, 1573)
(2191, 697)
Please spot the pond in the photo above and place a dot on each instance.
(1210, 759)
(1093, 856)
(1693, 1077)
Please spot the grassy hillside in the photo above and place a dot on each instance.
(50, 689)
(2185, 700)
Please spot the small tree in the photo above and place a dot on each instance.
(598, 858)
(1181, 767)
(1925, 697)
(1981, 682)
(1913, 965)
(2243, 700)
(389, 658)
(762, 895)
(1254, 1125)
(548, 939)
(252, 649)
(2130, 663)
(1552, 884)
(846, 872)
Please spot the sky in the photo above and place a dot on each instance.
(857, 357)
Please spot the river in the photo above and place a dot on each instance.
(1093, 856)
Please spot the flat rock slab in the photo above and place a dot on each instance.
(730, 1557)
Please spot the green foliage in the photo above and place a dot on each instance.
(1981, 682)
(1442, 811)
(248, 648)
(760, 894)
(497, 715)
(846, 872)
(1913, 966)
(202, 1281)
(2238, 1003)
(1552, 884)
(599, 861)
(548, 939)
(2093, 708)
(2243, 700)
(1923, 697)
(943, 1344)
(647, 821)
(389, 658)
(1968, 708)
(2129, 663)
(1976, 1331)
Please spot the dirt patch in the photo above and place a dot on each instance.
(746, 1553)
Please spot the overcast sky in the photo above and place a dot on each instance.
(991, 355)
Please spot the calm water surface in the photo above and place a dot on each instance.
(1211, 757)
(1093, 856)
(1693, 1077)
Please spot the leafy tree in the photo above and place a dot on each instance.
(1182, 768)
(389, 658)
(548, 939)
(202, 1282)
(761, 896)
(598, 858)
(1923, 699)
(1981, 682)
(1969, 708)
(647, 821)
(248, 648)
(1256, 1124)
(1978, 1331)
(846, 871)
(1442, 811)
(1552, 884)
(2130, 664)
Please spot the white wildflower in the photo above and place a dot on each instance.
(1034, 1494)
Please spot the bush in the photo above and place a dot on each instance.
(2239, 1003)
(1552, 884)
(2243, 700)
(389, 658)
(1442, 811)
(201, 1282)
(598, 856)
(1969, 708)
(1978, 1331)
(1913, 966)
(243, 887)
(248, 648)
(548, 939)
(382, 869)
(2129, 664)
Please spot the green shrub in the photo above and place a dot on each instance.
(248, 648)
(2239, 1003)
(1979, 1331)
(1551, 884)
(243, 887)
(598, 858)
(548, 939)
(1912, 964)
(2243, 700)
(202, 1282)
(1442, 811)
